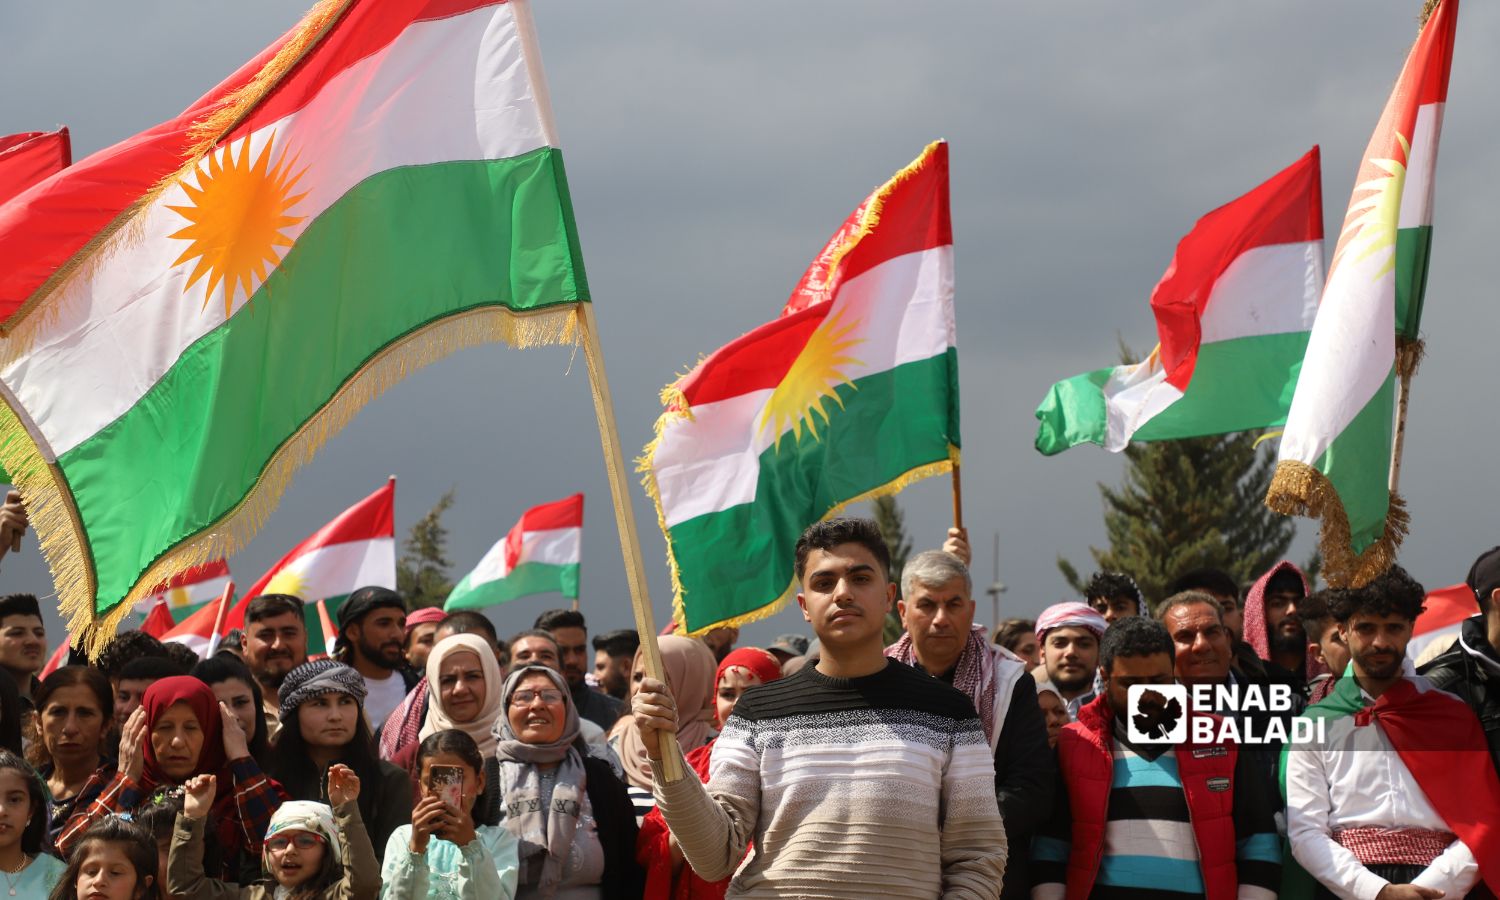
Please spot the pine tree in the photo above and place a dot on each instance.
(892, 522)
(422, 572)
(1191, 503)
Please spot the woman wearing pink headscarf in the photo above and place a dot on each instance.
(690, 675)
(666, 877)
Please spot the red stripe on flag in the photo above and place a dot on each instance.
(55, 220)
(1433, 58)
(26, 159)
(754, 361)
(910, 214)
(370, 518)
(565, 513)
(159, 621)
(1286, 209)
(1446, 607)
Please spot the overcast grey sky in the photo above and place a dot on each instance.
(711, 150)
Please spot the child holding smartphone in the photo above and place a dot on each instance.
(442, 854)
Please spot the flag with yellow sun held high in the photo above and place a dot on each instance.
(190, 314)
(852, 393)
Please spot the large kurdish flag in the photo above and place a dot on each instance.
(852, 393)
(541, 553)
(1336, 452)
(193, 312)
(1233, 312)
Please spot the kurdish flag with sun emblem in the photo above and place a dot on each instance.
(851, 394)
(190, 314)
(1336, 452)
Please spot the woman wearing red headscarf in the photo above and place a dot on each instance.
(182, 730)
(666, 876)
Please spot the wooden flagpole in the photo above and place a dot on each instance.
(630, 543)
(1408, 356)
(958, 497)
(219, 617)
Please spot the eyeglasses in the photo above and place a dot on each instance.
(304, 840)
(524, 698)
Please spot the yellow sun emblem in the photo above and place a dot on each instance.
(813, 378)
(1373, 220)
(238, 218)
(287, 581)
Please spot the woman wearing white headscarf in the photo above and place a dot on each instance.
(570, 813)
(464, 684)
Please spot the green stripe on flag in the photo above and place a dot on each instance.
(1074, 413)
(403, 250)
(1358, 464)
(1413, 252)
(740, 560)
(524, 580)
(1238, 385)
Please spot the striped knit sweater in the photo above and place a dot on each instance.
(849, 787)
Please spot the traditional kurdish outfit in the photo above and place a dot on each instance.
(894, 767)
(1004, 695)
(1400, 790)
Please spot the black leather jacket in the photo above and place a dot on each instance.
(1461, 671)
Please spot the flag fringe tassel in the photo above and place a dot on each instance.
(679, 612)
(203, 136)
(50, 505)
(1298, 489)
(1409, 356)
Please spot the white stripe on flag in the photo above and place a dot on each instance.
(1421, 163)
(338, 569)
(557, 546)
(1266, 290)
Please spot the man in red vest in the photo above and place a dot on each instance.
(1152, 819)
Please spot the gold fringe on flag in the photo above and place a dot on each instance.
(60, 533)
(1298, 489)
(1409, 356)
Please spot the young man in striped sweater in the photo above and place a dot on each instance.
(857, 777)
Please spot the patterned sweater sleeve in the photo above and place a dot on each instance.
(973, 837)
(715, 823)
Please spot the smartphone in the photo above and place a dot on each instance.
(447, 782)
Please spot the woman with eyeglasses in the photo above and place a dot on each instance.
(322, 724)
(74, 707)
(182, 730)
(570, 813)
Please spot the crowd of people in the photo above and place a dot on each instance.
(901, 752)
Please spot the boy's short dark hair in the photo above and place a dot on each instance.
(1315, 615)
(1392, 593)
(467, 621)
(1215, 581)
(830, 533)
(19, 605)
(152, 667)
(125, 647)
(269, 606)
(181, 654)
(1134, 636)
(560, 618)
(618, 643)
(1109, 585)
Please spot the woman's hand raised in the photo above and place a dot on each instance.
(133, 745)
(236, 745)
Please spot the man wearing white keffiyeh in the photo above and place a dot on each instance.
(937, 610)
(571, 815)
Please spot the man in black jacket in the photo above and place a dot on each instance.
(937, 611)
(1470, 668)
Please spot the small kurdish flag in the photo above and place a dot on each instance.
(1233, 312)
(191, 587)
(541, 553)
(850, 394)
(189, 315)
(355, 550)
(1336, 451)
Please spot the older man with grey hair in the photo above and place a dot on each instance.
(937, 610)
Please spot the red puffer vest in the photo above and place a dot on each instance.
(1085, 756)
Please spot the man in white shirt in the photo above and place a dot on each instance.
(372, 635)
(1396, 800)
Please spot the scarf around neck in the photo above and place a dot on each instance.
(974, 675)
(482, 727)
(544, 829)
